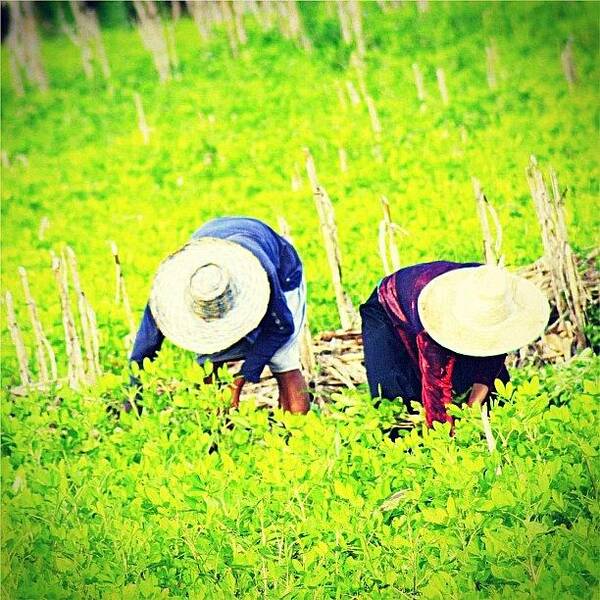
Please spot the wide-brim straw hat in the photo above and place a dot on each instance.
(482, 311)
(209, 294)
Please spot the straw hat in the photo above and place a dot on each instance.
(482, 311)
(209, 295)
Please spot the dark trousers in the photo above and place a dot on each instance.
(390, 372)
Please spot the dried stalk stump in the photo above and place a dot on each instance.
(44, 225)
(441, 80)
(42, 345)
(387, 239)
(492, 246)
(352, 93)
(121, 294)
(344, 17)
(17, 339)
(376, 127)
(355, 15)
(201, 16)
(141, 118)
(568, 293)
(347, 313)
(87, 37)
(421, 95)
(567, 60)
(87, 321)
(25, 58)
(75, 366)
(343, 158)
(491, 59)
(227, 18)
(307, 355)
(153, 36)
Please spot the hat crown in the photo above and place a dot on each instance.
(208, 282)
(212, 293)
(489, 296)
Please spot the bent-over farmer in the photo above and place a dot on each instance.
(434, 329)
(235, 291)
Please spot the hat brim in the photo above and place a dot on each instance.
(171, 305)
(437, 306)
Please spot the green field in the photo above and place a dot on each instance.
(181, 504)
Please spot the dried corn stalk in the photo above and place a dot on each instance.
(238, 14)
(343, 157)
(290, 23)
(355, 13)
(17, 338)
(341, 96)
(24, 48)
(419, 82)
(344, 17)
(352, 93)
(296, 179)
(44, 224)
(121, 293)
(141, 118)
(86, 35)
(566, 285)
(172, 49)
(358, 64)
(557, 344)
(491, 58)
(492, 246)
(326, 213)
(87, 321)
(201, 15)
(42, 345)
(376, 127)
(567, 60)
(307, 355)
(227, 18)
(75, 369)
(387, 239)
(441, 80)
(153, 35)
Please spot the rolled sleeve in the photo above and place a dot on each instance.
(148, 340)
(436, 365)
(275, 330)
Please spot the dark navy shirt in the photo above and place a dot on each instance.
(284, 270)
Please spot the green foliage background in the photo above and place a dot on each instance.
(289, 507)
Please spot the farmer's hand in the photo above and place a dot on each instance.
(478, 394)
(236, 390)
(134, 396)
(293, 392)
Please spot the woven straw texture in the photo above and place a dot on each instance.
(172, 303)
(483, 311)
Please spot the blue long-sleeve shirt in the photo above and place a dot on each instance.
(284, 270)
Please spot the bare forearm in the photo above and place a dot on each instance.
(478, 394)
(293, 392)
(236, 391)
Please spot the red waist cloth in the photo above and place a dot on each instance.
(436, 365)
